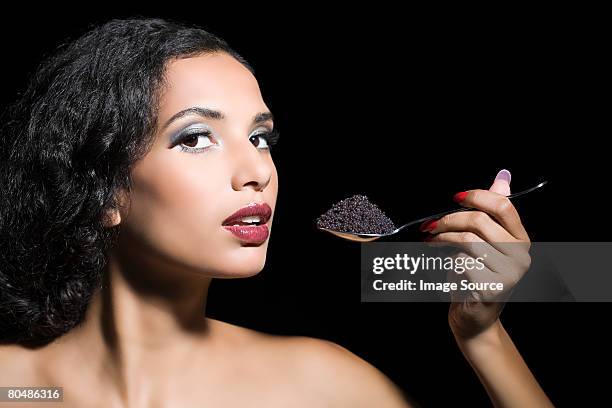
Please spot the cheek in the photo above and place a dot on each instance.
(272, 189)
(177, 209)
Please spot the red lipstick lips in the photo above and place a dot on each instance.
(249, 223)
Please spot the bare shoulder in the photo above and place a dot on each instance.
(321, 371)
(16, 366)
(344, 376)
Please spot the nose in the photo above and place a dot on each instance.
(252, 168)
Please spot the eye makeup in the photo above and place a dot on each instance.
(187, 131)
(270, 136)
(188, 134)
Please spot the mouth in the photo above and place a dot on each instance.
(249, 224)
(251, 215)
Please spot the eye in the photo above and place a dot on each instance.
(195, 142)
(259, 141)
(264, 140)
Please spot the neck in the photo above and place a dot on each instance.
(149, 308)
(147, 317)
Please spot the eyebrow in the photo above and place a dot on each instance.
(214, 115)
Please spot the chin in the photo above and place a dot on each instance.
(243, 261)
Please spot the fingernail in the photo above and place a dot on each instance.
(459, 197)
(428, 238)
(428, 225)
(504, 175)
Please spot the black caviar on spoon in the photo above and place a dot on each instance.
(356, 215)
(356, 219)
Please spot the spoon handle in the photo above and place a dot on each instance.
(520, 193)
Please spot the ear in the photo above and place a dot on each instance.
(113, 216)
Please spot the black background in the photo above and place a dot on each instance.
(407, 108)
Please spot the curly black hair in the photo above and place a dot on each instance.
(67, 146)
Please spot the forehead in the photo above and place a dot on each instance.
(217, 81)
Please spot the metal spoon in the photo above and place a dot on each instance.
(361, 237)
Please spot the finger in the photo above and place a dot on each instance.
(501, 184)
(498, 206)
(474, 246)
(498, 267)
(478, 222)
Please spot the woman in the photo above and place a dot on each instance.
(131, 165)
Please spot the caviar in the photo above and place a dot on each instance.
(356, 214)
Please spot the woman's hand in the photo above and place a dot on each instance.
(493, 232)
(494, 228)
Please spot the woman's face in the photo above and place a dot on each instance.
(202, 168)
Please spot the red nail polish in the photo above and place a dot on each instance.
(459, 197)
(428, 225)
(428, 238)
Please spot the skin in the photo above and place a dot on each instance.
(475, 321)
(145, 338)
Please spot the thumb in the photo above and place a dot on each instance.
(501, 184)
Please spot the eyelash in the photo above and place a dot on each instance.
(271, 137)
